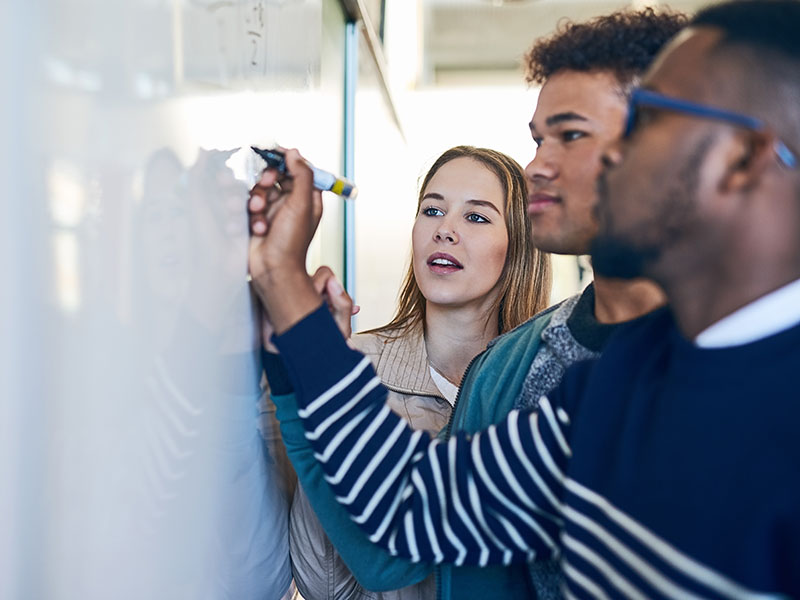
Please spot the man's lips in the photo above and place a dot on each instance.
(442, 263)
(540, 201)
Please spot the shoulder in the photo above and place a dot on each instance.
(394, 345)
(508, 357)
(371, 344)
(399, 358)
(525, 331)
(401, 363)
(631, 346)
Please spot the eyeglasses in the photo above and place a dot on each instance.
(648, 98)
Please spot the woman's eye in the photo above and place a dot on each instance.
(431, 211)
(476, 218)
(572, 135)
(538, 142)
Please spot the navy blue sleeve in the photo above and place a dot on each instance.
(493, 498)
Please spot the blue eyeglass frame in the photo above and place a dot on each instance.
(641, 97)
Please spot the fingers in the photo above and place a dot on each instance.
(339, 301)
(265, 197)
(258, 224)
(321, 277)
(274, 187)
(257, 203)
(258, 195)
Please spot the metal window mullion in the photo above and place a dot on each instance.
(350, 84)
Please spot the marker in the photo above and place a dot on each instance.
(327, 182)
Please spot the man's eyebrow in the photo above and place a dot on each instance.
(559, 118)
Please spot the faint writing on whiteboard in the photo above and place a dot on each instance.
(256, 35)
(261, 42)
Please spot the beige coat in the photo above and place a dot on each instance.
(319, 571)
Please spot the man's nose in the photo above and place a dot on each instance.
(543, 166)
(613, 153)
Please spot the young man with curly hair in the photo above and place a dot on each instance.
(587, 70)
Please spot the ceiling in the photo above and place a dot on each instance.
(486, 39)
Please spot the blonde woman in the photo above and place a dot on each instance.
(474, 274)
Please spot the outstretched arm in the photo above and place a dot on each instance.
(492, 499)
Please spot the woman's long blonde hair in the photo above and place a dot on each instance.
(527, 276)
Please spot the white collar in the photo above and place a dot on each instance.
(770, 314)
(448, 389)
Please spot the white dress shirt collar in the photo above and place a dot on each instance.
(770, 314)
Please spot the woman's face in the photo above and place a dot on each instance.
(460, 239)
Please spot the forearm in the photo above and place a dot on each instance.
(457, 510)
(372, 566)
(288, 296)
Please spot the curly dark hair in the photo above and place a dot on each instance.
(624, 42)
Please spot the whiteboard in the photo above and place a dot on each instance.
(131, 459)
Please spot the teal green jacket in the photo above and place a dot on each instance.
(498, 374)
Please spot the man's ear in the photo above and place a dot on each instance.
(753, 155)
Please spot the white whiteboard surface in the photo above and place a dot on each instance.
(131, 463)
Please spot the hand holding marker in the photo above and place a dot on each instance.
(322, 179)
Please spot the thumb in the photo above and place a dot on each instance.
(341, 305)
(339, 301)
(303, 195)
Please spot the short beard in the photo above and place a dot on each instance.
(614, 256)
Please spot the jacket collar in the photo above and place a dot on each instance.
(403, 364)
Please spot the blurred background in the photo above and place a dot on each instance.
(129, 380)
(454, 68)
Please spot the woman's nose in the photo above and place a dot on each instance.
(444, 233)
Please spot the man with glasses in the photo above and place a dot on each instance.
(670, 466)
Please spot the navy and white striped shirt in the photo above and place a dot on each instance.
(668, 471)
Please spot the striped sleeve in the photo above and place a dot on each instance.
(494, 498)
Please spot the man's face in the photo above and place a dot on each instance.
(577, 116)
(649, 202)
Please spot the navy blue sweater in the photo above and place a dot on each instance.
(661, 470)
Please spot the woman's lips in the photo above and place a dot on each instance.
(442, 263)
(540, 202)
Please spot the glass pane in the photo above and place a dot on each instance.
(140, 471)
(386, 174)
